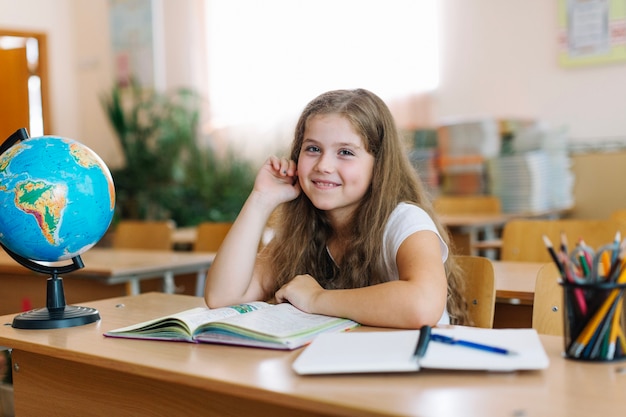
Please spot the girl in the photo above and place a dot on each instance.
(354, 232)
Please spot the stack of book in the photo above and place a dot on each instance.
(422, 144)
(463, 146)
(534, 173)
(531, 181)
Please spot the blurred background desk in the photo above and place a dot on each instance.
(107, 272)
(480, 233)
(469, 230)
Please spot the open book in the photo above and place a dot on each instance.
(394, 351)
(257, 324)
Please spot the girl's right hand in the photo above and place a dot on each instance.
(277, 180)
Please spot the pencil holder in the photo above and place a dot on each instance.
(594, 320)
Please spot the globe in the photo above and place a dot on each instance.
(57, 198)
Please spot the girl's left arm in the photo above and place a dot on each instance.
(417, 298)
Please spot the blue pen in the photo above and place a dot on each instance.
(466, 343)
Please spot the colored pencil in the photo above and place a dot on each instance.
(555, 258)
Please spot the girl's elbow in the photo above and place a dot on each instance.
(209, 301)
(421, 316)
(212, 300)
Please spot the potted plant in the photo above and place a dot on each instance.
(154, 131)
(166, 174)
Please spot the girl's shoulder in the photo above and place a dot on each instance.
(406, 219)
(410, 218)
(404, 209)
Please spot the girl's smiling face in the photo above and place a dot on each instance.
(334, 169)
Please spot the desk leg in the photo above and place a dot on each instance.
(169, 286)
(489, 234)
(200, 279)
(132, 287)
(473, 238)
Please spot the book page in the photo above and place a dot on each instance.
(201, 315)
(282, 321)
(189, 320)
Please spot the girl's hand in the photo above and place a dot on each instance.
(278, 180)
(301, 291)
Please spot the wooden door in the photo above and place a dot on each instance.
(15, 72)
(14, 110)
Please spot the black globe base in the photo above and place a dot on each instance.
(56, 314)
(44, 318)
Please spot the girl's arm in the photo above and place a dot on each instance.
(417, 298)
(235, 276)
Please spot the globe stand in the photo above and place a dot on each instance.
(56, 314)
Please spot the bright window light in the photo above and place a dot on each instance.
(268, 58)
(35, 109)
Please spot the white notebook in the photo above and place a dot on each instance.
(393, 351)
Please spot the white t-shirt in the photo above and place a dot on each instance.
(405, 220)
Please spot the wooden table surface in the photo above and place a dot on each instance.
(77, 371)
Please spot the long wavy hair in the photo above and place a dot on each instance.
(302, 231)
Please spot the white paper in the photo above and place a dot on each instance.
(392, 351)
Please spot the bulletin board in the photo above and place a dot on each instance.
(132, 40)
(592, 32)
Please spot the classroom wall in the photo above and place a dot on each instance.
(599, 184)
(498, 59)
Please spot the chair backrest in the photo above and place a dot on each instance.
(471, 204)
(522, 239)
(480, 289)
(144, 234)
(547, 313)
(210, 236)
(619, 214)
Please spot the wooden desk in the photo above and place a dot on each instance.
(77, 371)
(115, 266)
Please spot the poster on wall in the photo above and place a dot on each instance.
(132, 41)
(592, 32)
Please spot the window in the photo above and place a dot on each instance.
(268, 58)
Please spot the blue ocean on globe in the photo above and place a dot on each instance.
(57, 198)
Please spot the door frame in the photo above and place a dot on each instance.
(41, 70)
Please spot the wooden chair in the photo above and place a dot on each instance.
(209, 237)
(619, 215)
(522, 239)
(145, 234)
(547, 313)
(480, 289)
